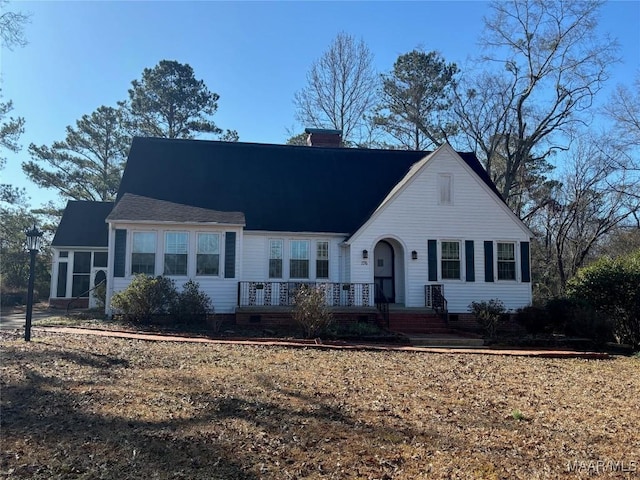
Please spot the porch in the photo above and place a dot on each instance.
(282, 294)
(271, 304)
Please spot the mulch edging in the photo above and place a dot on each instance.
(323, 344)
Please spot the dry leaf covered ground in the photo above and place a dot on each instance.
(93, 407)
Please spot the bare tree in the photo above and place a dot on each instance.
(552, 63)
(341, 89)
(584, 209)
(12, 26)
(624, 110)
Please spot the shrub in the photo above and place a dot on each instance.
(311, 311)
(489, 315)
(610, 288)
(191, 306)
(145, 297)
(534, 319)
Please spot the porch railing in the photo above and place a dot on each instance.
(434, 298)
(282, 294)
(382, 304)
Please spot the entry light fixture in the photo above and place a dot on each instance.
(365, 254)
(414, 255)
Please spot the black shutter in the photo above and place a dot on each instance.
(488, 261)
(230, 255)
(120, 253)
(524, 262)
(432, 253)
(469, 260)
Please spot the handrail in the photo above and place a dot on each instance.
(84, 293)
(382, 304)
(434, 298)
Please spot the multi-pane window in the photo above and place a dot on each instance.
(451, 260)
(176, 246)
(506, 261)
(208, 254)
(299, 260)
(81, 274)
(143, 253)
(322, 260)
(275, 258)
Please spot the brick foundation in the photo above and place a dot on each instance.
(63, 302)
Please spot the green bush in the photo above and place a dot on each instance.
(534, 319)
(311, 311)
(489, 314)
(191, 306)
(145, 297)
(611, 288)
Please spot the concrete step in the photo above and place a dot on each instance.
(445, 340)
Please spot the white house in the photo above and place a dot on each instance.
(250, 222)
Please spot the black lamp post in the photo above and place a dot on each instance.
(33, 244)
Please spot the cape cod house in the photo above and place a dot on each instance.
(250, 222)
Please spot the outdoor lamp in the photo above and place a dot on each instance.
(365, 254)
(414, 255)
(34, 237)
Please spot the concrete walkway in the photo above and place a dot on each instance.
(17, 317)
(320, 344)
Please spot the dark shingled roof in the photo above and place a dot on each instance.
(137, 208)
(277, 187)
(83, 225)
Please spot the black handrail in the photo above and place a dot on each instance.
(82, 295)
(382, 304)
(434, 298)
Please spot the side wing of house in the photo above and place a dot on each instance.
(444, 226)
(79, 254)
(154, 237)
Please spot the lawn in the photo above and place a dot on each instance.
(93, 407)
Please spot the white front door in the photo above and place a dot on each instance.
(98, 275)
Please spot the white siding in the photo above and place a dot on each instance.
(255, 260)
(415, 215)
(221, 290)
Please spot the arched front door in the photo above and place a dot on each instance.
(383, 271)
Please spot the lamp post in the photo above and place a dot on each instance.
(33, 244)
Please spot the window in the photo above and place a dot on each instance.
(208, 254)
(299, 261)
(451, 260)
(445, 187)
(81, 274)
(64, 254)
(322, 260)
(99, 259)
(143, 256)
(506, 261)
(275, 258)
(61, 290)
(176, 246)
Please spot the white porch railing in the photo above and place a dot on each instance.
(282, 294)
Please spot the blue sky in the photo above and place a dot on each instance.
(255, 55)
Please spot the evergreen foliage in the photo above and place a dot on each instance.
(611, 287)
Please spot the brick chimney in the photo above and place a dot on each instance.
(320, 137)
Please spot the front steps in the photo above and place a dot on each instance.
(416, 320)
